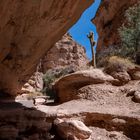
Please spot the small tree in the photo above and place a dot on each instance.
(130, 32)
(92, 43)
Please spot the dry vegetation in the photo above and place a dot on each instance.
(118, 64)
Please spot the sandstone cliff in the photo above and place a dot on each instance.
(27, 30)
(65, 53)
(108, 19)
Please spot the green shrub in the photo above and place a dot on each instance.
(130, 39)
(48, 79)
(130, 32)
(51, 76)
(104, 55)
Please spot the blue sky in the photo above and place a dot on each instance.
(83, 26)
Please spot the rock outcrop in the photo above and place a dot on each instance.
(72, 129)
(137, 96)
(65, 53)
(27, 30)
(68, 85)
(122, 69)
(66, 56)
(108, 19)
(34, 84)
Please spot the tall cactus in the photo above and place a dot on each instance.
(92, 43)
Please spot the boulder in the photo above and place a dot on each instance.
(122, 69)
(137, 96)
(66, 87)
(123, 77)
(136, 75)
(72, 129)
(27, 88)
(39, 100)
(34, 84)
(131, 92)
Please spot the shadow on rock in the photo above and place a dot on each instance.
(18, 122)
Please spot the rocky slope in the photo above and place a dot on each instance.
(108, 19)
(65, 53)
(27, 30)
(91, 106)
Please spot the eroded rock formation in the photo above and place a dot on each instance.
(65, 53)
(65, 56)
(27, 30)
(34, 84)
(108, 19)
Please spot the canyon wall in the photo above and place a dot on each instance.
(65, 56)
(108, 19)
(27, 30)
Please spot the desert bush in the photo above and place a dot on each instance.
(51, 76)
(32, 95)
(118, 64)
(48, 79)
(104, 55)
(130, 39)
(130, 32)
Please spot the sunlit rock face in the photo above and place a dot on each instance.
(28, 28)
(66, 53)
(108, 19)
